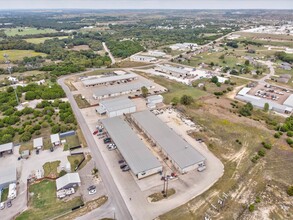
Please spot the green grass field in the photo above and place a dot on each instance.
(42, 39)
(18, 54)
(4, 195)
(50, 168)
(44, 204)
(27, 31)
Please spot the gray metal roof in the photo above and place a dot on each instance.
(7, 175)
(54, 138)
(67, 179)
(178, 70)
(6, 147)
(120, 88)
(182, 153)
(154, 98)
(117, 104)
(289, 101)
(38, 142)
(136, 154)
(106, 79)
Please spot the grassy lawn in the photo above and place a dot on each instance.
(27, 31)
(82, 103)
(18, 54)
(50, 168)
(71, 141)
(44, 204)
(42, 39)
(176, 89)
(74, 160)
(4, 195)
(155, 197)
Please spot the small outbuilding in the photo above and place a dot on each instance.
(38, 143)
(7, 176)
(55, 140)
(25, 154)
(6, 148)
(70, 180)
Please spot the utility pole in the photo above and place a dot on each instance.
(9, 68)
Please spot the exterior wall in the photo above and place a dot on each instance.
(70, 185)
(149, 172)
(121, 112)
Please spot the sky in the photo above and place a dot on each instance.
(146, 4)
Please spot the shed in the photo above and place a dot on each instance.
(67, 181)
(155, 99)
(25, 154)
(6, 148)
(38, 143)
(8, 175)
(55, 139)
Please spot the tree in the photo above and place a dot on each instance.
(144, 91)
(26, 136)
(55, 129)
(186, 100)
(6, 138)
(247, 63)
(266, 107)
(175, 101)
(214, 79)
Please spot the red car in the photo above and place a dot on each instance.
(95, 132)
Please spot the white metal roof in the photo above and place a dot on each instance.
(125, 87)
(38, 142)
(100, 80)
(181, 152)
(137, 155)
(67, 179)
(289, 101)
(6, 147)
(154, 98)
(55, 138)
(244, 91)
(7, 174)
(117, 104)
(173, 69)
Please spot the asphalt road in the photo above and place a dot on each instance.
(115, 198)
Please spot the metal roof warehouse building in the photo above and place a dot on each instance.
(108, 79)
(183, 156)
(7, 176)
(139, 158)
(116, 107)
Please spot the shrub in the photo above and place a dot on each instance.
(261, 153)
(267, 145)
(289, 141)
(290, 133)
(290, 191)
(277, 135)
(62, 173)
(255, 159)
(251, 207)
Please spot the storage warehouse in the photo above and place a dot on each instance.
(153, 100)
(139, 158)
(6, 148)
(7, 176)
(115, 107)
(183, 156)
(156, 53)
(67, 181)
(106, 80)
(139, 58)
(172, 70)
(289, 101)
(38, 143)
(55, 139)
(121, 89)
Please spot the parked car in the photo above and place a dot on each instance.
(112, 148)
(127, 168)
(174, 174)
(93, 191)
(37, 151)
(95, 132)
(122, 166)
(107, 140)
(91, 187)
(201, 168)
(121, 161)
(9, 204)
(51, 149)
(111, 145)
(2, 205)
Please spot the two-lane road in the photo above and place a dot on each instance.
(116, 200)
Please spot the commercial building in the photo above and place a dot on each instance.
(67, 181)
(7, 176)
(184, 46)
(55, 140)
(172, 70)
(156, 53)
(106, 80)
(182, 155)
(140, 58)
(138, 157)
(6, 148)
(115, 107)
(259, 102)
(154, 100)
(38, 143)
(289, 101)
(122, 89)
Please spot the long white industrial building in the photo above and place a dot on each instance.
(139, 158)
(105, 80)
(182, 155)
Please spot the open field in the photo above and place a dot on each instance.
(71, 141)
(15, 55)
(44, 203)
(50, 169)
(42, 39)
(74, 160)
(27, 31)
(175, 89)
(82, 103)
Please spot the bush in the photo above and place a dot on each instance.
(277, 135)
(255, 159)
(251, 208)
(261, 153)
(290, 133)
(267, 145)
(62, 173)
(186, 100)
(289, 141)
(290, 191)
